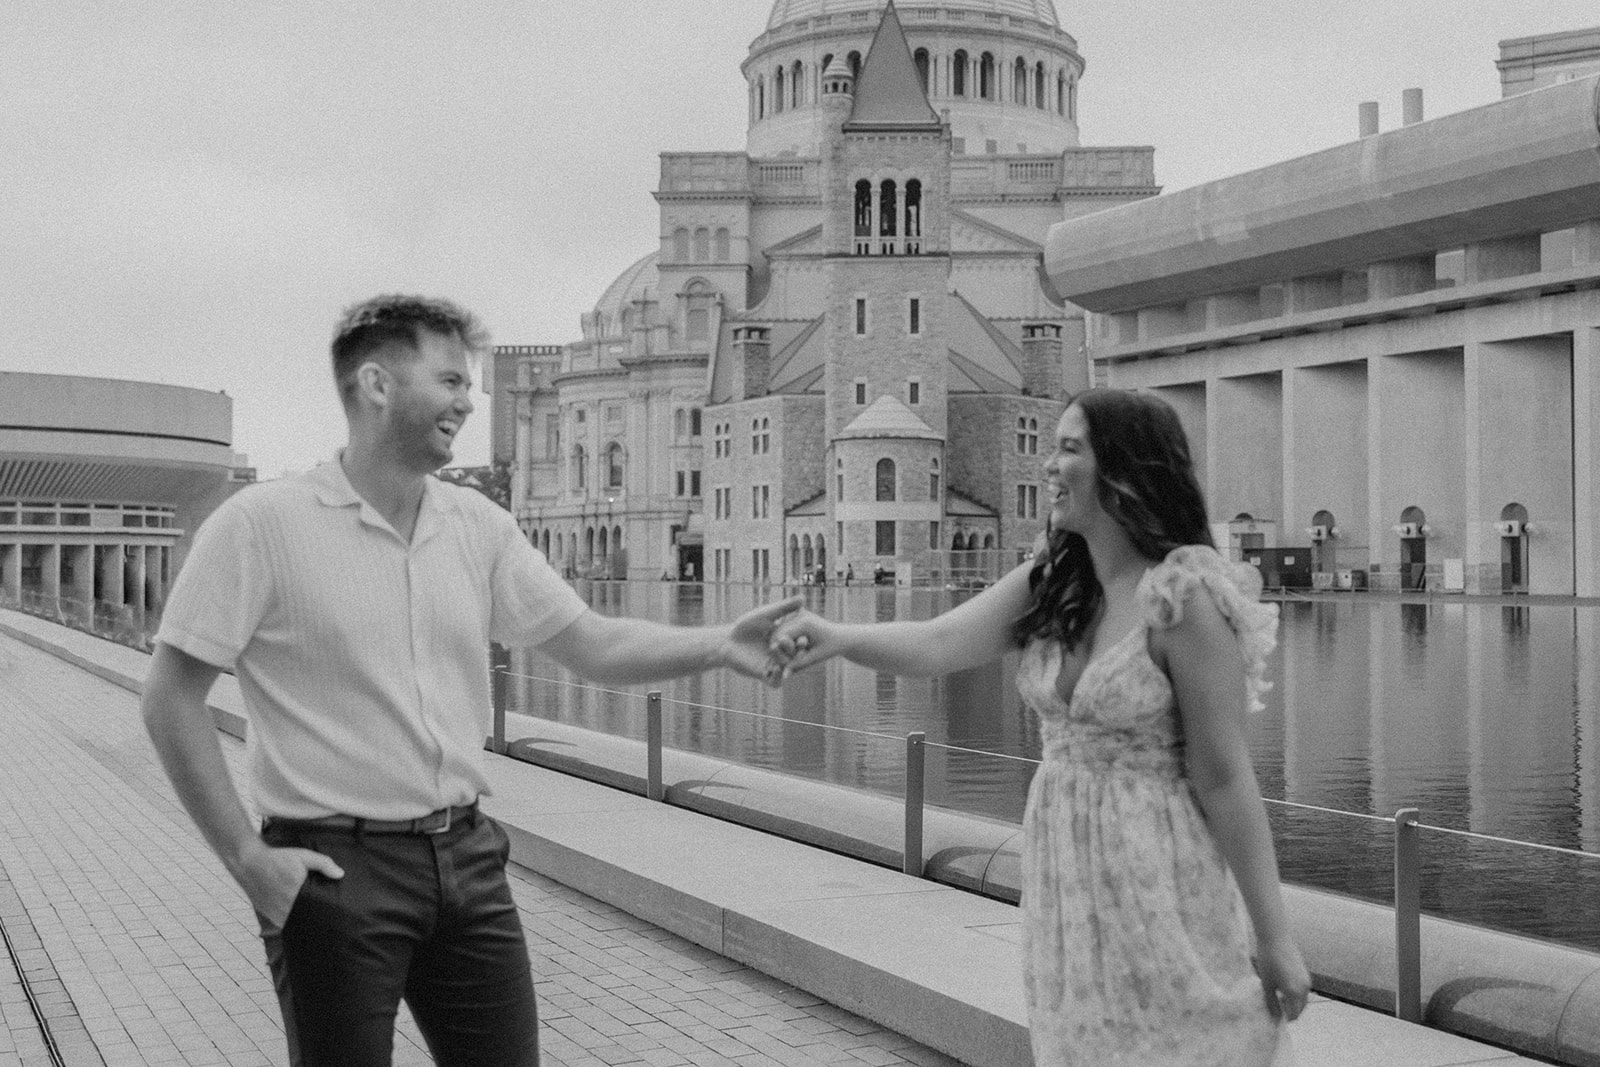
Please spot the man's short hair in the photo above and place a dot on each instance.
(387, 325)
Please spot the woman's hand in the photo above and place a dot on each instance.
(802, 639)
(1284, 979)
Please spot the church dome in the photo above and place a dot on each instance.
(785, 11)
(613, 312)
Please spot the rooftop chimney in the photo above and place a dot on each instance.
(1369, 118)
(1411, 107)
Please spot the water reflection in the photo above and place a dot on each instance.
(1483, 716)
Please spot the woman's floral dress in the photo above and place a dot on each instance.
(1136, 946)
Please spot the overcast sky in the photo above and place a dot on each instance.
(191, 191)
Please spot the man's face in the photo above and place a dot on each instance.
(430, 403)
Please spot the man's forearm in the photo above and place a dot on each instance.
(639, 652)
(185, 739)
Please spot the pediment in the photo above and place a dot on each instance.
(968, 233)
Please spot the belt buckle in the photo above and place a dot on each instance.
(437, 829)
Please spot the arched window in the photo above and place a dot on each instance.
(921, 59)
(721, 246)
(986, 77)
(614, 466)
(885, 479)
(694, 422)
(1038, 86)
(702, 245)
(1072, 99)
(616, 539)
(855, 65)
(1061, 93)
(1019, 81)
(886, 213)
(822, 552)
(863, 217)
(698, 325)
(933, 481)
(807, 560)
(546, 539)
(797, 85)
(680, 245)
(755, 437)
(988, 540)
(958, 73)
(588, 543)
(777, 91)
(1027, 436)
(605, 540)
(761, 98)
(794, 555)
(580, 473)
(913, 227)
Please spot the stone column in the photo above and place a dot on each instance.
(82, 562)
(109, 565)
(1587, 754)
(1586, 459)
(50, 577)
(10, 574)
(135, 571)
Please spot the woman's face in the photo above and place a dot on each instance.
(1072, 476)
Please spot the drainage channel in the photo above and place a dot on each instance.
(61, 1029)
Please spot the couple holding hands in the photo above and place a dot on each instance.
(355, 604)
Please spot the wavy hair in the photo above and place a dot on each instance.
(387, 327)
(1145, 481)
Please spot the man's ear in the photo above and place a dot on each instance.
(374, 383)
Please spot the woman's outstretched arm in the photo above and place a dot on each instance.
(976, 632)
(1201, 656)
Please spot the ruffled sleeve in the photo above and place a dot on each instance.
(1236, 590)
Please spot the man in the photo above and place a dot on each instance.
(356, 605)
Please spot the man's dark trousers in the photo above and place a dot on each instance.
(423, 916)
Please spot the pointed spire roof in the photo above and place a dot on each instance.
(889, 91)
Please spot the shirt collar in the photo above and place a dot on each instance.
(332, 487)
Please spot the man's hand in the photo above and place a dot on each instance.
(802, 639)
(272, 877)
(748, 648)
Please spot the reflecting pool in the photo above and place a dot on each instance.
(1481, 715)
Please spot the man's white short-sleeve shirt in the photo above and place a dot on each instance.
(363, 660)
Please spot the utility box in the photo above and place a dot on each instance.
(1282, 568)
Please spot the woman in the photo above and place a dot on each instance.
(1147, 860)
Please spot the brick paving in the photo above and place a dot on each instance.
(138, 949)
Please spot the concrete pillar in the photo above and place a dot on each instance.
(1518, 436)
(1410, 107)
(1189, 401)
(1586, 693)
(1367, 118)
(1400, 277)
(1586, 243)
(1506, 257)
(154, 592)
(1586, 460)
(81, 560)
(1122, 327)
(1230, 309)
(50, 576)
(1325, 457)
(139, 599)
(10, 574)
(1247, 437)
(1313, 293)
(1415, 440)
(109, 565)
(1041, 359)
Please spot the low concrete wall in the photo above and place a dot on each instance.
(1527, 995)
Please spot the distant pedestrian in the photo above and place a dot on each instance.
(356, 605)
(849, 573)
(821, 576)
(1145, 842)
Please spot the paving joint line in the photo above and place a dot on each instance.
(11, 904)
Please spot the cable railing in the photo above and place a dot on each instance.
(1405, 839)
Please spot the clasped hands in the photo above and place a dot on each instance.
(777, 639)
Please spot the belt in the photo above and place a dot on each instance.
(435, 822)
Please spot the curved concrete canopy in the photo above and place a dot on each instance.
(1526, 164)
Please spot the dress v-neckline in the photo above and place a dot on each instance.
(1095, 658)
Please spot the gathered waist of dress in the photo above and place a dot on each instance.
(1102, 750)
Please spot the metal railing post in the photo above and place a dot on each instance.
(499, 682)
(916, 779)
(652, 726)
(1407, 918)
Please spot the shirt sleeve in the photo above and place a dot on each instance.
(532, 603)
(221, 592)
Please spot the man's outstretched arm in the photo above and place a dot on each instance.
(185, 738)
(626, 651)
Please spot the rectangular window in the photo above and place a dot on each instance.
(914, 317)
(694, 483)
(933, 487)
(755, 501)
(861, 394)
(841, 487)
(766, 564)
(861, 316)
(913, 392)
(552, 436)
(1027, 501)
(679, 484)
(694, 422)
(755, 564)
(933, 535)
(766, 500)
(885, 537)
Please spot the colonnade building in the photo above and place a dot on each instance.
(1386, 354)
(101, 484)
(843, 352)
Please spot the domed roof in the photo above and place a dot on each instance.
(611, 311)
(784, 11)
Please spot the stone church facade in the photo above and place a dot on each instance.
(845, 353)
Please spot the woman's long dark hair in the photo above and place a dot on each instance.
(1146, 483)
